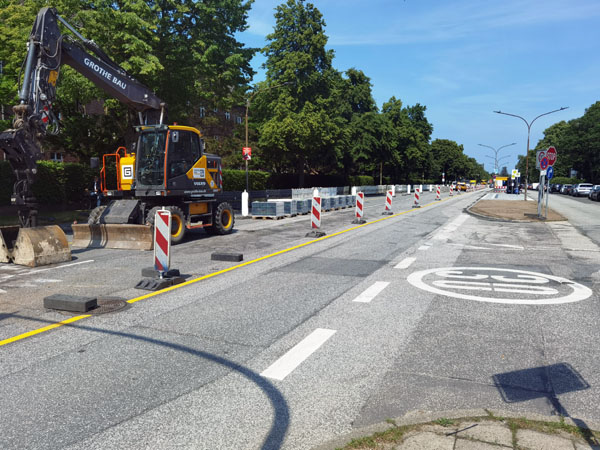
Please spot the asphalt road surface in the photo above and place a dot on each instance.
(429, 309)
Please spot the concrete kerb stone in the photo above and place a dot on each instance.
(419, 417)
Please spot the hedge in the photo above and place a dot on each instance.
(362, 180)
(56, 183)
(235, 180)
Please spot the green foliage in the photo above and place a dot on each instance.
(235, 180)
(566, 180)
(187, 51)
(361, 180)
(61, 183)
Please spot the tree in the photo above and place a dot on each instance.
(185, 50)
(450, 159)
(295, 124)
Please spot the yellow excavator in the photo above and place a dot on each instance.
(166, 166)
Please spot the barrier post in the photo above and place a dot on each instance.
(360, 201)
(437, 193)
(315, 218)
(162, 241)
(416, 204)
(161, 275)
(388, 204)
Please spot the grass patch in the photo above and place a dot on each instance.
(444, 422)
(396, 434)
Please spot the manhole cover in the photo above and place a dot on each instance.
(108, 305)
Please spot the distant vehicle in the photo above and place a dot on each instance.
(555, 187)
(565, 188)
(461, 186)
(595, 193)
(581, 189)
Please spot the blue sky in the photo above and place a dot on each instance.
(464, 59)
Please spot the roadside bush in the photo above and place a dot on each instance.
(565, 180)
(235, 180)
(361, 180)
(61, 183)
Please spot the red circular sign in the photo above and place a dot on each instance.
(544, 163)
(551, 155)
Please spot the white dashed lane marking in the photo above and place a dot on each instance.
(298, 354)
(405, 263)
(371, 292)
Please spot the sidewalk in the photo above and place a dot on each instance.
(472, 430)
(479, 429)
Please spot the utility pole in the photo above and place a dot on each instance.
(528, 134)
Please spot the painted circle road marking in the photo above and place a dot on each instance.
(492, 285)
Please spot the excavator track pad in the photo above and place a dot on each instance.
(34, 247)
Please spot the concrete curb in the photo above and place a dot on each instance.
(418, 417)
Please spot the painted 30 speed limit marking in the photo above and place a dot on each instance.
(497, 285)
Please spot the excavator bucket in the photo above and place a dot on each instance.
(34, 247)
(120, 236)
(8, 236)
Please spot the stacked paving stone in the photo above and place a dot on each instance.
(268, 209)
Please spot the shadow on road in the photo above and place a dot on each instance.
(544, 382)
(281, 414)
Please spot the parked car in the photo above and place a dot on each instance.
(581, 189)
(565, 188)
(555, 187)
(595, 193)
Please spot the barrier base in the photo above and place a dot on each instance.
(316, 234)
(151, 272)
(359, 221)
(156, 284)
(416, 206)
(387, 213)
(74, 303)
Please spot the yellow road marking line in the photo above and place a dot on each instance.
(210, 275)
(42, 330)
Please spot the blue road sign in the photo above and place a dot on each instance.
(550, 172)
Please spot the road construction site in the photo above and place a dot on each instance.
(306, 340)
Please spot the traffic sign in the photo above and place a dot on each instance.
(247, 153)
(544, 163)
(551, 155)
(541, 154)
(550, 172)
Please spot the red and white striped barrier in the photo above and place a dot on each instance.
(360, 201)
(315, 216)
(417, 197)
(437, 192)
(388, 203)
(162, 240)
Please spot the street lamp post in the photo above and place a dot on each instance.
(528, 134)
(496, 151)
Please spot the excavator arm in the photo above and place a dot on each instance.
(48, 49)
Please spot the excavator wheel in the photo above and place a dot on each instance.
(223, 219)
(94, 217)
(177, 222)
